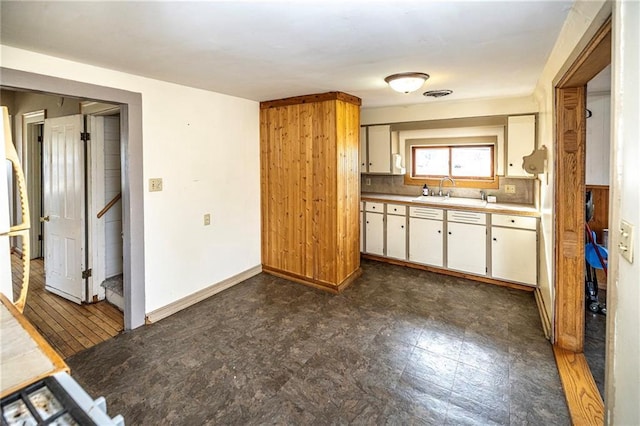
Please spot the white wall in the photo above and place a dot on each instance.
(623, 351)
(598, 139)
(443, 109)
(205, 146)
(583, 20)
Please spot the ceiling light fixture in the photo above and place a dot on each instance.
(438, 93)
(406, 82)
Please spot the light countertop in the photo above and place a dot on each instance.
(505, 208)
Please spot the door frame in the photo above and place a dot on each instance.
(132, 176)
(32, 166)
(569, 186)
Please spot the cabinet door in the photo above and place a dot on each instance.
(467, 248)
(374, 229)
(363, 150)
(397, 237)
(521, 142)
(379, 149)
(514, 255)
(361, 231)
(426, 241)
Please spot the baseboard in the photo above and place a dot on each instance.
(200, 295)
(321, 285)
(544, 318)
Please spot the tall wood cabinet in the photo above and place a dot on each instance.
(310, 189)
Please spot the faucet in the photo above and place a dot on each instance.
(453, 183)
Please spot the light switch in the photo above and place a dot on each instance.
(625, 246)
(207, 219)
(155, 184)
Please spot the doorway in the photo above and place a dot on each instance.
(62, 171)
(132, 179)
(583, 398)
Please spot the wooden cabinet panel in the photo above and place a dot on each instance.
(310, 188)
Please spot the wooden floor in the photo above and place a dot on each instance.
(68, 327)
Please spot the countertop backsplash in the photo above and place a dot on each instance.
(386, 184)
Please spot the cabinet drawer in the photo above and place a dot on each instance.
(426, 212)
(467, 217)
(514, 221)
(397, 209)
(374, 207)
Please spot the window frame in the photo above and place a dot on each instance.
(450, 149)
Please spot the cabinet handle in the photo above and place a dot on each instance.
(513, 221)
(449, 232)
(371, 164)
(367, 221)
(402, 226)
(510, 164)
(439, 231)
(495, 239)
(373, 207)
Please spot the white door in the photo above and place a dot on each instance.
(426, 241)
(467, 247)
(64, 207)
(397, 237)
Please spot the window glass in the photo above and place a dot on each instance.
(475, 161)
(463, 161)
(431, 161)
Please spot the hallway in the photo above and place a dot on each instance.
(68, 327)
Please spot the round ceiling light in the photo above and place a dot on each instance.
(438, 93)
(407, 82)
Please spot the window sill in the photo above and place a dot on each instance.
(460, 183)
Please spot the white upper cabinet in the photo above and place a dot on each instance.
(378, 149)
(521, 141)
(363, 150)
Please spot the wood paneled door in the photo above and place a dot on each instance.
(310, 188)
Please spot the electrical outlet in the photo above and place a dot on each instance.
(155, 184)
(367, 181)
(626, 241)
(207, 219)
(510, 189)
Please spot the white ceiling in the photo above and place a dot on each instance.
(263, 50)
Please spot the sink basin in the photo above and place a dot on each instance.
(451, 201)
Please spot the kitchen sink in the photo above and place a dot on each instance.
(451, 201)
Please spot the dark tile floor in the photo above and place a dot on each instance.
(400, 346)
(595, 343)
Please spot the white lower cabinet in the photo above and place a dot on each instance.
(467, 247)
(514, 254)
(396, 231)
(374, 233)
(513, 246)
(426, 241)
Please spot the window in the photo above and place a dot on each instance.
(463, 161)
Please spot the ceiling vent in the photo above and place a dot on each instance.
(438, 93)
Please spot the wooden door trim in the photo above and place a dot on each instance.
(569, 176)
(583, 399)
